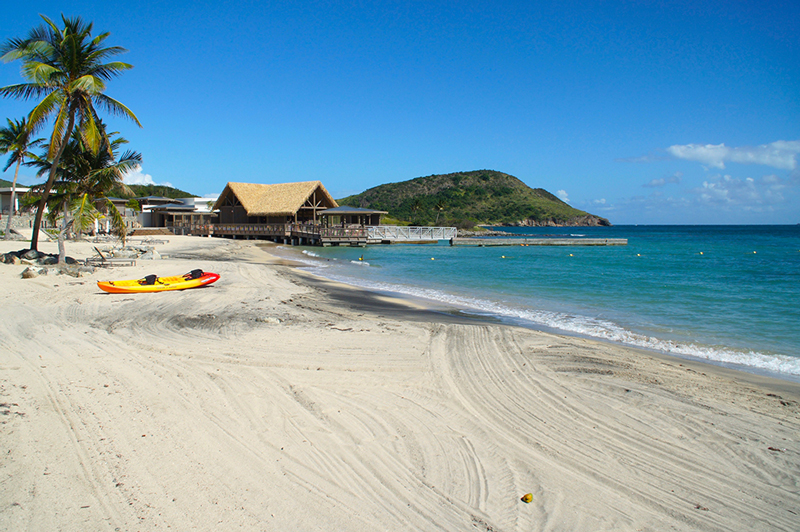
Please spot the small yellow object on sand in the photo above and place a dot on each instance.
(528, 497)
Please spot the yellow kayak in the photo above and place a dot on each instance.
(153, 283)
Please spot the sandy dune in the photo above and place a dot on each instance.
(273, 400)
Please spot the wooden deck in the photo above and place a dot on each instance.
(501, 241)
(290, 234)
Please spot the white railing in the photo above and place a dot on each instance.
(396, 233)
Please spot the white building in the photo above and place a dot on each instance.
(5, 198)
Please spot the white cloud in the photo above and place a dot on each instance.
(747, 194)
(137, 177)
(661, 181)
(779, 154)
(649, 158)
(563, 196)
(601, 201)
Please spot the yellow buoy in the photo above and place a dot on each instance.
(432, 258)
(502, 256)
(701, 252)
(528, 497)
(571, 255)
(638, 254)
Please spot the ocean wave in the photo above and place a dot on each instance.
(588, 326)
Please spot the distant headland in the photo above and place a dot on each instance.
(469, 199)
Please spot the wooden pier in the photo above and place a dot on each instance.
(318, 235)
(501, 241)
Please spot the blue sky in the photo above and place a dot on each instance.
(641, 112)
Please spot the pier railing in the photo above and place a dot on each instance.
(359, 232)
(250, 229)
(396, 233)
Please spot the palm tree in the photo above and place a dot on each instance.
(16, 140)
(65, 68)
(86, 178)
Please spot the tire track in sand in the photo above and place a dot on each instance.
(552, 419)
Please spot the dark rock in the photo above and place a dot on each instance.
(126, 253)
(74, 270)
(30, 254)
(30, 273)
(9, 258)
(588, 220)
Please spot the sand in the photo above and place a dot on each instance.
(274, 400)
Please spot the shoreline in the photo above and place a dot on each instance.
(757, 373)
(279, 399)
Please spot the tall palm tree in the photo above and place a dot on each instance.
(65, 68)
(16, 140)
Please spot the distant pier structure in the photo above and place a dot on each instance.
(571, 241)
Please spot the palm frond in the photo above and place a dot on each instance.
(60, 132)
(84, 212)
(117, 222)
(39, 115)
(88, 83)
(115, 108)
(40, 73)
(24, 91)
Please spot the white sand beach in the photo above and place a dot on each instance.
(275, 400)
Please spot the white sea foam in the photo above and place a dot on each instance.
(360, 262)
(588, 326)
(310, 253)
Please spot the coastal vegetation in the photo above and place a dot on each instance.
(86, 178)
(66, 70)
(164, 191)
(468, 199)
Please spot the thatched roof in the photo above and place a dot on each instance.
(276, 200)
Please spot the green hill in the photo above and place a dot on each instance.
(466, 199)
(140, 191)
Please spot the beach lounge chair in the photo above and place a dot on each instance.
(106, 262)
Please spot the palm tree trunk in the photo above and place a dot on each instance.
(62, 250)
(37, 221)
(13, 201)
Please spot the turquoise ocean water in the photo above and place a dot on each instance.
(727, 294)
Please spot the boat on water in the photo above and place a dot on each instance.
(153, 283)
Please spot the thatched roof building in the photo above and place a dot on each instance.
(280, 203)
